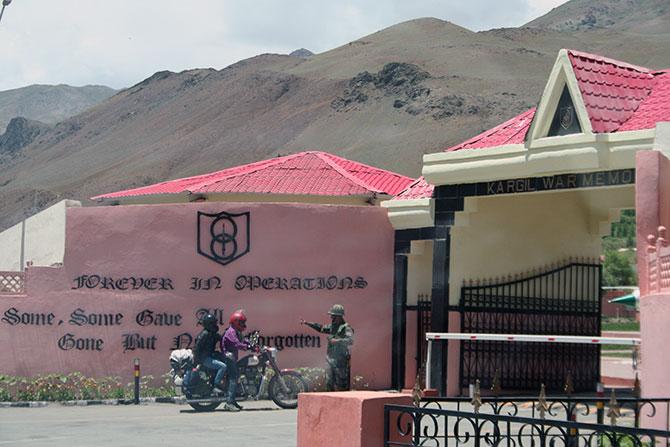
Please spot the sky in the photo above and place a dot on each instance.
(119, 43)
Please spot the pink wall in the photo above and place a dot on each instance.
(126, 245)
(655, 350)
(454, 357)
(410, 349)
(348, 419)
(652, 203)
(652, 206)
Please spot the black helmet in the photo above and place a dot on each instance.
(209, 323)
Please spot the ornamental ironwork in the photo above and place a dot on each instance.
(560, 300)
(412, 426)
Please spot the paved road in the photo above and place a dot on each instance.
(164, 425)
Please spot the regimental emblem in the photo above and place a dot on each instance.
(567, 114)
(223, 237)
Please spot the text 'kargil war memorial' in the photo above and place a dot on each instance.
(501, 234)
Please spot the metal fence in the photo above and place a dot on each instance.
(412, 426)
(598, 409)
(561, 300)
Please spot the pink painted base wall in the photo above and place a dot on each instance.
(85, 316)
(454, 357)
(410, 350)
(347, 419)
(655, 351)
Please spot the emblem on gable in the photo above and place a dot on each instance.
(223, 237)
(566, 114)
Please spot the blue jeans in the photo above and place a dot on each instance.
(232, 379)
(218, 365)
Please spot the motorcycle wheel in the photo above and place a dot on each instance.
(295, 384)
(200, 407)
(203, 407)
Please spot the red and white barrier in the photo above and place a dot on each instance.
(580, 339)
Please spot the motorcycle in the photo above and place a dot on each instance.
(197, 382)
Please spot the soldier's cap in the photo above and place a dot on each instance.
(337, 310)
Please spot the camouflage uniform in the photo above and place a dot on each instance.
(340, 338)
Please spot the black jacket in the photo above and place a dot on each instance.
(205, 345)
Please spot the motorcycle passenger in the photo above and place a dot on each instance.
(231, 343)
(205, 349)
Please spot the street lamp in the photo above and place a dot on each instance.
(4, 3)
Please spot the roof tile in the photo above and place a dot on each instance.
(608, 87)
(419, 189)
(305, 173)
(512, 131)
(618, 97)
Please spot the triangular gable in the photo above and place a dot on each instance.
(562, 82)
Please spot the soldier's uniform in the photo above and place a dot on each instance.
(338, 356)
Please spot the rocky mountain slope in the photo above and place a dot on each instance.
(642, 16)
(384, 99)
(49, 103)
(20, 133)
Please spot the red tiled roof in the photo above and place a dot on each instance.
(617, 96)
(304, 173)
(612, 90)
(512, 131)
(419, 189)
(655, 108)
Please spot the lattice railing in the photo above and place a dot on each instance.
(658, 262)
(12, 283)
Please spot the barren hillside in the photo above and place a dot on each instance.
(49, 103)
(384, 99)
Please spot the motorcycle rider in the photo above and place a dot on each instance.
(205, 349)
(231, 343)
(340, 339)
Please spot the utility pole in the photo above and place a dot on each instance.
(4, 4)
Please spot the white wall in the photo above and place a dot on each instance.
(42, 236)
(10, 248)
(419, 271)
(508, 235)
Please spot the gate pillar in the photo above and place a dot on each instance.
(652, 208)
(448, 201)
(399, 316)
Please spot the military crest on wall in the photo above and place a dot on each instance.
(567, 115)
(223, 237)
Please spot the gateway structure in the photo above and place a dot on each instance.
(503, 232)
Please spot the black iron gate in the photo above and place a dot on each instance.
(561, 301)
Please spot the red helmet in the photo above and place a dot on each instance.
(238, 320)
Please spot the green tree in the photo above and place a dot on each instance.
(618, 270)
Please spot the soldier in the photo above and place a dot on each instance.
(340, 338)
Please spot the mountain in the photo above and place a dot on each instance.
(644, 16)
(20, 133)
(384, 99)
(49, 103)
(301, 52)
